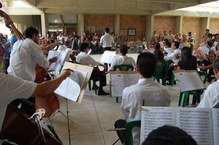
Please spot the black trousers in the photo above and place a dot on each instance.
(107, 48)
(100, 76)
(121, 123)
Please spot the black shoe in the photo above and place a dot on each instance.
(101, 92)
(95, 87)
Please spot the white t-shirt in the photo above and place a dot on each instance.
(13, 88)
(85, 59)
(122, 60)
(107, 40)
(211, 96)
(24, 57)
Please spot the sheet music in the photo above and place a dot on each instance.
(70, 88)
(215, 114)
(198, 123)
(156, 117)
(120, 81)
(107, 56)
(62, 55)
(189, 80)
(52, 54)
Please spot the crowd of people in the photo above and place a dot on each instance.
(178, 50)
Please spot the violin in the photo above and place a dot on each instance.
(50, 102)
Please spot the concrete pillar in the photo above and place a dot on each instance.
(117, 25)
(149, 27)
(80, 25)
(43, 24)
(205, 24)
(179, 22)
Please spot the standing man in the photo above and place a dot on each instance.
(107, 41)
(26, 55)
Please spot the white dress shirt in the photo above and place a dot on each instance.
(173, 56)
(107, 40)
(25, 56)
(13, 88)
(146, 92)
(122, 60)
(211, 96)
(85, 59)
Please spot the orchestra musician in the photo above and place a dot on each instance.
(26, 55)
(13, 87)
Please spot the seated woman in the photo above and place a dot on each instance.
(122, 58)
(188, 61)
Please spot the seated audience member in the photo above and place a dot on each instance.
(169, 135)
(211, 94)
(208, 66)
(157, 52)
(97, 75)
(167, 48)
(145, 92)
(174, 55)
(122, 58)
(13, 87)
(188, 61)
(206, 48)
(173, 59)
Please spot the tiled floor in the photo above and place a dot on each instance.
(92, 118)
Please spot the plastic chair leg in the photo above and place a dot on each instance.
(117, 99)
(180, 99)
(185, 99)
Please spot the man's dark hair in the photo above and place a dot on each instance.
(168, 44)
(123, 49)
(83, 46)
(30, 31)
(146, 63)
(176, 43)
(107, 30)
(210, 44)
(157, 46)
(216, 64)
(169, 135)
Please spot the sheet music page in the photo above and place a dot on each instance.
(197, 122)
(215, 114)
(70, 88)
(156, 117)
(189, 80)
(118, 84)
(121, 81)
(107, 56)
(52, 54)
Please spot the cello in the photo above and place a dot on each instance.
(50, 102)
